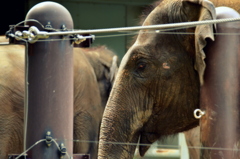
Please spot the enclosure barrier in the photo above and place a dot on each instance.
(50, 98)
(34, 34)
(220, 92)
(49, 86)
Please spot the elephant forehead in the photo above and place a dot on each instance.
(135, 52)
(145, 37)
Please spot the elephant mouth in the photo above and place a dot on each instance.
(146, 139)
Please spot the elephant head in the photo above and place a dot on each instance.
(157, 85)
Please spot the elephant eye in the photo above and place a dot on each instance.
(144, 69)
(139, 71)
(141, 66)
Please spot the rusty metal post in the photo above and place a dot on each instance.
(49, 83)
(220, 133)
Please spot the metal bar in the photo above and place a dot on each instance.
(114, 2)
(75, 156)
(220, 92)
(14, 156)
(49, 85)
(4, 43)
(151, 27)
(33, 34)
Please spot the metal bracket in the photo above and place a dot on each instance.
(11, 33)
(48, 139)
(32, 34)
(198, 113)
(84, 40)
(63, 150)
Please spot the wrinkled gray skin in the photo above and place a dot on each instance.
(92, 86)
(157, 86)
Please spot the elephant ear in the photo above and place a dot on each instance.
(202, 32)
(114, 69)
(111, 63)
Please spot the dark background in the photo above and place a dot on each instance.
(12, 12)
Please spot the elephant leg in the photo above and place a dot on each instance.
(193, 142)
(86, 131)
(11, 135)
(4, 138)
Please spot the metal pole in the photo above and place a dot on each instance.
(220, 92)
(49, 86)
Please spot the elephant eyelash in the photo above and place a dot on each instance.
(141, 66)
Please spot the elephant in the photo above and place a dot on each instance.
(94, 71)
(192, 137)
(88, 109)
(157, 87)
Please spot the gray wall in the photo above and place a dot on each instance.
(96, 14)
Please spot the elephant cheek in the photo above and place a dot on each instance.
(146, 139)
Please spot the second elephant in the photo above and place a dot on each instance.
(94, 71)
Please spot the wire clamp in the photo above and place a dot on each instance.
(198, 113)
(63, 150)
(79, 39)
(48, 138)
(33, 34)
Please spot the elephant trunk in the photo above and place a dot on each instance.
(119, 129)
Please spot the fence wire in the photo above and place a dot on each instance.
(38, 142)
(128, 33)
(131, 34)
(158, 146)
(161, 28)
